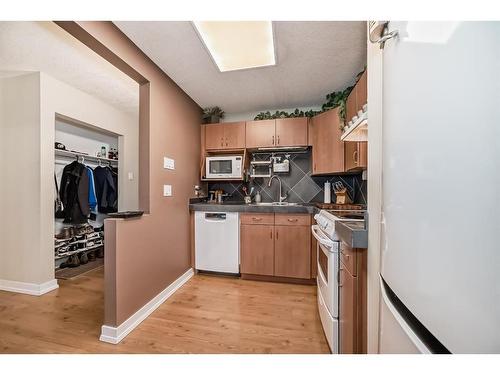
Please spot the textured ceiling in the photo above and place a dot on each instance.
(313, 59)
(44, 46)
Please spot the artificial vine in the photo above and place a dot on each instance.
(333, 100)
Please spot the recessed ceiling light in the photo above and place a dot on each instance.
(238, 45)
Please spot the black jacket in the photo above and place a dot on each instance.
(106, 189)
(74, 193)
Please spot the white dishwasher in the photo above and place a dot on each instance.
(217, 241)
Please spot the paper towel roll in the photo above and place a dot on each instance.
(328, 193)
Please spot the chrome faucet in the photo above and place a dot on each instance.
(281, 198)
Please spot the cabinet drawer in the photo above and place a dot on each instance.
(256, 218)
(291, 219)
(348, 256)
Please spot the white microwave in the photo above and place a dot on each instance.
(229, 166)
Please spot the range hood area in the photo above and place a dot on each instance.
(358, 131)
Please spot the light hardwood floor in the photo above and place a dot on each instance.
(208, 314)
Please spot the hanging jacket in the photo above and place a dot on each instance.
(92, 196)
(105, 189)
(74, 193)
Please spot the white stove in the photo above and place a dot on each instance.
(328, 269)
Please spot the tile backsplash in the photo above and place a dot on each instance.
(299, 185)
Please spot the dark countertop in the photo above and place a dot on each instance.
(305, 208)
(353, 233)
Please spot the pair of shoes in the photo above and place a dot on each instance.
(91, 255)
(84, 259)
(99, 229)
(72, 262)
(100, 252)
(65, 233)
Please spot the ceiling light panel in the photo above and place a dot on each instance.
(238, 45)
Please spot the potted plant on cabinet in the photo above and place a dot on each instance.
(212, 115)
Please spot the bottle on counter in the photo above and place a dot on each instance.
(327, 193)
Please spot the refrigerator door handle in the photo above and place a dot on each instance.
(402, 322)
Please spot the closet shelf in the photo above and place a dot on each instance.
(65, 255)
(73, 154)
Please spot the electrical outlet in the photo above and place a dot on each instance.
(167, 190)
(168, 163)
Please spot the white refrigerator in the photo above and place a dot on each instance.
(440, 236)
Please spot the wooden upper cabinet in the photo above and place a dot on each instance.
(291, 131)
(327, 148)
(229, 135)
(260, 133)
(292, 251)
(356, 156)
(362, 91)
(351, 106)
(257, 249)
(234, 135)
(214, 136)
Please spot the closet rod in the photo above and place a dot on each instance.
(72, 154)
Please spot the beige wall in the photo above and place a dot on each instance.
(20, 194)
(144, 256)
(30, 104)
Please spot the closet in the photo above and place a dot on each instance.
(85, 192)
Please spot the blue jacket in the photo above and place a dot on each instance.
(92, 196)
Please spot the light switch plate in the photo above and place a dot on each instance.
(130, 176)
(167, 190)
(168, 163)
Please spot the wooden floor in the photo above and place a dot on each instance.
(209, 314)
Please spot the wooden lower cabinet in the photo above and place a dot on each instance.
(292, 251)
(276, 247)
(352, 300)
(348, 314)
(257, 249)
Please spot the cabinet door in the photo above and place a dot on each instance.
(234, 135)
(327, 148)
(260, 133)
(356, 155)
(292, 251)
(350, 155)
(291, 131)
(351, 105)
(362, 91)
(214, 136)
(348, 317)
(257, 249)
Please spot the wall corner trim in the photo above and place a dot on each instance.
(28, 288)
(114, 335)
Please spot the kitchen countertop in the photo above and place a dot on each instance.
(353, 233)
(305, 208)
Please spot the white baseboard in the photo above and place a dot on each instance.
(28, 288)
(114, 335)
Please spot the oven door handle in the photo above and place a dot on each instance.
(321, 238)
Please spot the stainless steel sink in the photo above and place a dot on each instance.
(274, 204)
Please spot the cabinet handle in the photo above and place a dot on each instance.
(226, 141)
(314, 166)
(271, 233)
(256, 218)
(293, 220)
(277, 234)
(278, 139)
(344, 254)
(222, 142)
(355, 157)
(273, 139)
(338, 278)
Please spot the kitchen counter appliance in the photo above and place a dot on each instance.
(224, 166)
(328, 258)
(217, 242)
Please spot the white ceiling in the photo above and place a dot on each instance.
(313, 59)
(44, 46)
